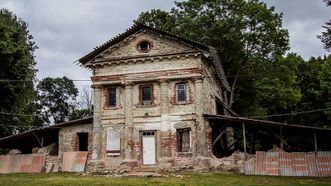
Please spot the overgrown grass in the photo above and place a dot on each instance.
(188, 179)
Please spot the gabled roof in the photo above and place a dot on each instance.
(129, 32)
(135, 28)
(87, 120)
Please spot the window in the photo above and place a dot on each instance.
(113, 142)
(82, 141)
(181, 92)
(144, 46)
(112, 97)
(184, 140)
(146, 94)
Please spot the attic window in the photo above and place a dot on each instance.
(144, 46)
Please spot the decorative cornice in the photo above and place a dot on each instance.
(144, 58)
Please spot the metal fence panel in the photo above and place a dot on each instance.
(311, 164)
(249, 168)
(323, 160)
(291, 164)
(272, 163)
(285, 164)
(74, 161)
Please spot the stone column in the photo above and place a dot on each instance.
(166, 159)
(97, 127)
(129, 154)
(201, 138)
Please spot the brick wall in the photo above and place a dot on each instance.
(68, 138)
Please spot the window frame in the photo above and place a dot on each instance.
(108, 97)
(146, 102)
(180, 144)
(143, 50)
(185, 91)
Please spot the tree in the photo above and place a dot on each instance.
(326, 35)
(84, 107)
(17, 73)
(325, 83)
(314, 83)
(245, 33)
(277, 85)
(57, 98)
(328, 2)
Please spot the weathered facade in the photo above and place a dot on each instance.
(151, 90)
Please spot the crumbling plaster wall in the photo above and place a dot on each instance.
(164, 115)
(68, 138)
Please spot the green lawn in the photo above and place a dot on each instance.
(188, 179)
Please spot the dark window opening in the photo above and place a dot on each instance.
(219, 107)
(144, 46)
(146, 94)
(112, 97)
(82, 141)
(181, 92)
(184, 140)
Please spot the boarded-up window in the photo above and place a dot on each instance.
(184, 140)
(113, 142)
(181, 92)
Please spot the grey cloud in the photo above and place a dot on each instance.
(304, 20)
(66, 30)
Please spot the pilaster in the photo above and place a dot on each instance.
(202, 146)
(97, 128)
(166, 158)
(129, 153)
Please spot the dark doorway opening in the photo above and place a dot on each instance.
(82, 141)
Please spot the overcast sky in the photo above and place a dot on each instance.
(66, 30)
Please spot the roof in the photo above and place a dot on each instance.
(135, 28)
(240, 120)
(86, 120)
(131, 31)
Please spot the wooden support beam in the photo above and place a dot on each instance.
(315, 142)
(281, 144)
(39, 141)
(42, 140)
(275, 135)
(244, 138)
(218, 137)
(235, 141)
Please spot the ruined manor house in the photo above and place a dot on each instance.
(151, 89)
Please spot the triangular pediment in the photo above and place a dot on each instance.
(159, 44)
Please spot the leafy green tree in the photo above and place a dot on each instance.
(245, 33)
(325, 83)
(326, 35)
(313, 81)
(57, 98)
(17, 73)
(277, 84)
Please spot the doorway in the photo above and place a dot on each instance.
(148, 148)
(82, 141)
